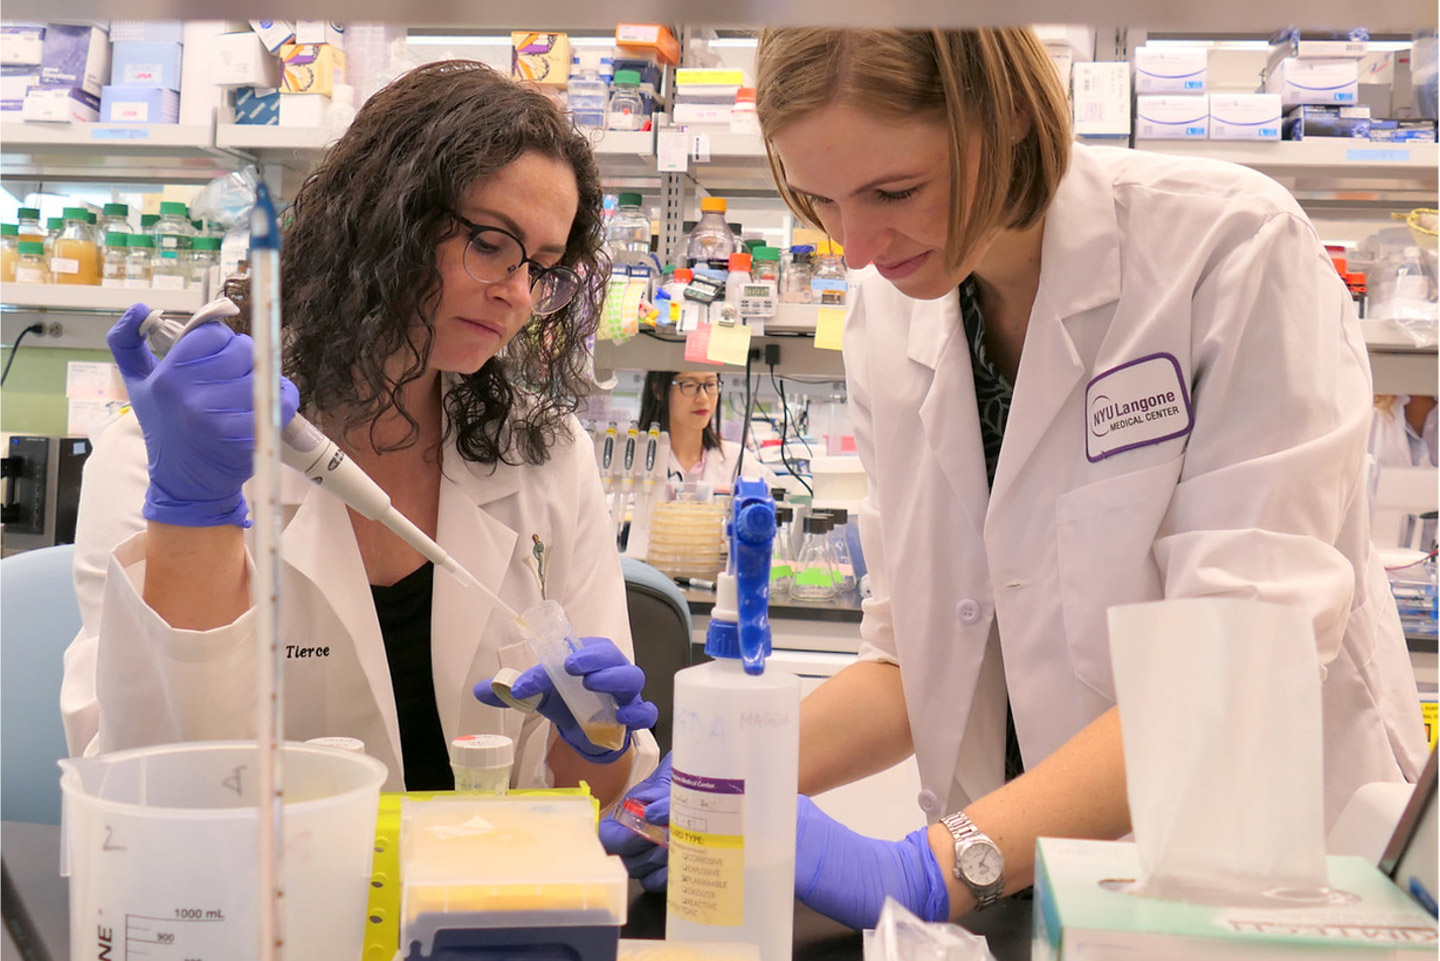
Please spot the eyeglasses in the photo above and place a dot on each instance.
(494, 253)
(692, 387)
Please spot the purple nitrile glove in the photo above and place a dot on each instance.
(646, 861)
(603, 667)
(196, 409)
(846, 876)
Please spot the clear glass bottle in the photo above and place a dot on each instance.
(9, 252)
(29, 226)
(840, 549)
(148, 222)
(76, 257)
(627, 108)
(796, 274)
(628, 233)
(168, 271)
(115, 217)
(711, 243)
(173, 236)
(737, 231)
(765, 265)
(138, 261)
(814, 568)
(587, 97)
(782, 554)
(117, 254)
(30, 263)
(204, 255)
(829, 284)
(53, 226)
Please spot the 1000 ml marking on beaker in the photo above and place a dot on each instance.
(193, 934)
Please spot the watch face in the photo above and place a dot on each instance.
(981, 864)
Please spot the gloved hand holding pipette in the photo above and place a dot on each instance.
(602, 668)
(196, 409)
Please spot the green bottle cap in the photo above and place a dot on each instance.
(629, 199)
(751, 244)
(117, 238)
(171, 208)
(766, 253)
(117, 210)
(631, 77)
(9, 230)
(149, 220)
(75, 213)
(29, 213)
(32, 247)
(205, 243)
(141, 240)
(90, 217)
(55, 223)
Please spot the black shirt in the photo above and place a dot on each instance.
(404, 612)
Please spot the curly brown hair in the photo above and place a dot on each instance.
(358, 261)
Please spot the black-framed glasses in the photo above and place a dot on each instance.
(692, 387)
(494, 253)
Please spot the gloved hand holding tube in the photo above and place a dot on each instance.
(197, 413)
(602, 668)
(647, 862)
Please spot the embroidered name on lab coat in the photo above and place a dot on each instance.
(295, 651)
(1139, 403)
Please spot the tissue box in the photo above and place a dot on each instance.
(139, 104)
(21, 44)
(273, 33)
(1101, 99)
(147, 31)
(320, 31)
(1418, 131)
(146, 64)
(239, 60)
(303, 109)
(75, 56)
(1294, 43)
(1317, 120)
(311, 68)
(1314, 81)
(542, 58)
(1172, 118)
(257, 106)
(1244, 116)
(60, 105)
(1080, 911)
(1170, 69)
(14, 82)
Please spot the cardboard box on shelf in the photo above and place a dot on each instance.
(1172, 117)
(21, 44)
(1101, 99)
(648, 39)
(303, 109)
(274, 33)
(1314, 81)
(1309, 121)
(146, 63)
(239, 60)
(1170, 70)
(147, 31)
(60, 105)
(75, 55)
(541, 58)
(320, 31)
(14, 81)
(132, 104)
(311, 68)
(1403, 130)
(1244, 116)
(257, 106)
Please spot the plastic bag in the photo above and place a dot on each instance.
(901, 936)
(227, 200)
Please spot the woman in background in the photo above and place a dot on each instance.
(687, 404)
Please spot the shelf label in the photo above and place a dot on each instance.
(1362, 155)
(671, 151)
(120, 133)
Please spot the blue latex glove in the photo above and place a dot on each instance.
(647, 862)
(604, 668)
(196, 408)
(846, 876)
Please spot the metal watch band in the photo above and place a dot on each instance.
(964, 831)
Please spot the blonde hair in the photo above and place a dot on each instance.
(995, 84)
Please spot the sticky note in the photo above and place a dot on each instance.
(829, 328)
(729, 343)
(697, 345)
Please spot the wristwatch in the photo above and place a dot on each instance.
(979, 863)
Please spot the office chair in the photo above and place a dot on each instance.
(38, 619)
(660, 628)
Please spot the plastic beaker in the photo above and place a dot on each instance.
(481, 763)
(161, 848)
(551, 638)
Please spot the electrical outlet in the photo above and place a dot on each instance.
(54, 329)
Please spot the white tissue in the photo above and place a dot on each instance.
(1220, 710)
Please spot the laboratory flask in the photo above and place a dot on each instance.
(815, 567)
(161, 848)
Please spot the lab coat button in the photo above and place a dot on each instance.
(968, 611)
(929, 803)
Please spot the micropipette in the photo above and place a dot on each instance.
(319, 458)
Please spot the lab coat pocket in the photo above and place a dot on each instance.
(1104, 536)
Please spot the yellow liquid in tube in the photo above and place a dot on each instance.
(608, 735)
(85, 257)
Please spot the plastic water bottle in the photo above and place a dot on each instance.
(736, 761)
(711, 243)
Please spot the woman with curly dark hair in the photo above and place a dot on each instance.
(441, 271)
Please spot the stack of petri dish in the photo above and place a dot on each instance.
(687, 538)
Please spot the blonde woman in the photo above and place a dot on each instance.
(1079, 377)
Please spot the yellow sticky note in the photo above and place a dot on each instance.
(829, 328)
(729, 343)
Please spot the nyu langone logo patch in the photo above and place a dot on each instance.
(1136, 404)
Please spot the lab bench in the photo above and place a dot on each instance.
(37, 895)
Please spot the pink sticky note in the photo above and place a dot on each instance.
(697, 345)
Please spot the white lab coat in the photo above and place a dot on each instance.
(131, 680)
(1394, 443)
(979, 591)
(717, 467)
